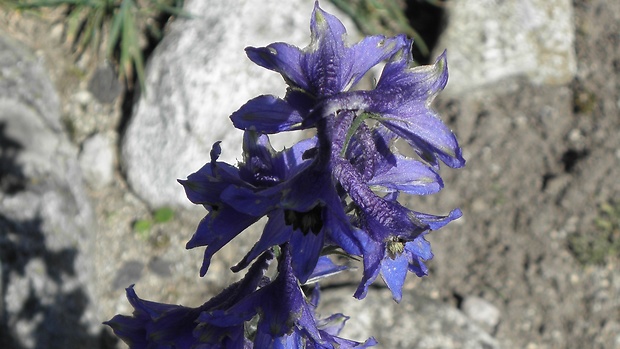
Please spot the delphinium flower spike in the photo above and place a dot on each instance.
(400, 106)
(337, 190)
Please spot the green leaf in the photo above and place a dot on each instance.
(126, 36)
(115, 30)
(130, 54)
(163, 215)
(142, 226)
(74, 20)
(48, 3)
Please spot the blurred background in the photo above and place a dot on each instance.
(105, 103)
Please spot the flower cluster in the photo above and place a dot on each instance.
(335, 191)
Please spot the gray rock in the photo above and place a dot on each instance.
(490, 40)
(416, 322)
(160, 266)
(104, 85)
(46, 221)
(128, 274)
(482, 312)
(97, 161)
(20, 80)
(198, 76)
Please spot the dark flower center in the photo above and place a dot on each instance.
(305, 221)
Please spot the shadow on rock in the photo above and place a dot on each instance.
(41, 303)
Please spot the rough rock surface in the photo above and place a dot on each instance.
(417, 322)
(542, 161)
(97, 161)
(482, 312)
(508, 38)
(196, 78)
(46, 220)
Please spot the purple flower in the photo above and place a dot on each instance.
(394, 255)
(324, 268)
(306, 212)
(300, 201)
(325, 68)
(392, 238)
(401, 103)
(157, 325)
(223, 222)
(285, 318)
(328, 327)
